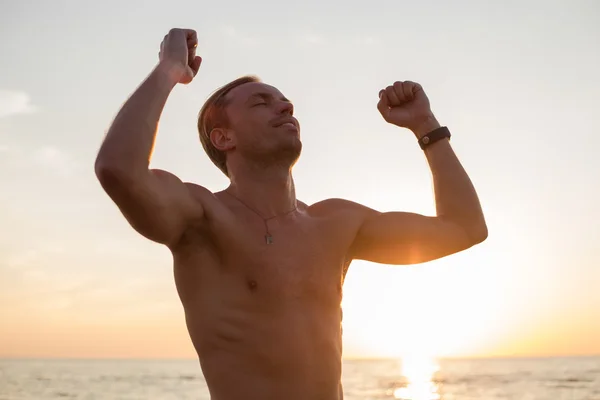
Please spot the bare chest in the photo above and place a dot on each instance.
(303, 259)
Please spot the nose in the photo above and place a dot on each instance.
(285, 107)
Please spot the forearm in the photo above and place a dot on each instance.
(128, 145)
(455, 196)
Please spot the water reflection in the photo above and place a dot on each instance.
(419, 383)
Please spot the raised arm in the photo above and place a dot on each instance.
(409, 238)
(156, 203)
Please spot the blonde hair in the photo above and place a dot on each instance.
(212, 115)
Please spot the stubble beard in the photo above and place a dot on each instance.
(284, 155)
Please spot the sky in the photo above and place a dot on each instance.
(516, 82)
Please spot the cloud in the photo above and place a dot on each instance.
(368, 41)
(53, 158)
(14, 102)
(232, 33)
(310, 38)
(46, 158)
(54, 277)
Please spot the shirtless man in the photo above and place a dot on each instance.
(258, 272)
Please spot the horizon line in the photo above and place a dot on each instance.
(347, 358)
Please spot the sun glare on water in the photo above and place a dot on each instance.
(419, 384)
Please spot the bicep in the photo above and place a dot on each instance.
(158, 205)
(403, 238)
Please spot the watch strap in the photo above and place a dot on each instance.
(434, 136)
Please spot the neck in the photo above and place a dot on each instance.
(269, 191)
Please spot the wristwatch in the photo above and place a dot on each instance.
(434, 136)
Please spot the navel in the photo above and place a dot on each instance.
(252, 285)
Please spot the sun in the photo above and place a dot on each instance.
(418, 383)
(427, 312)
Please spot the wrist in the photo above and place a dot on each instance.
(433, 137)
(169, 72)
(425, 125)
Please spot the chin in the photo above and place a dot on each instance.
(291, 151)
(283, 152)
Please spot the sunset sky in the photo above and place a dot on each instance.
(516, 82)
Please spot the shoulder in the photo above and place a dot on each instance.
(346, 213)
(198, 190)
(344, 220)
(341, 206)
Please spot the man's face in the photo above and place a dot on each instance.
(261, 119)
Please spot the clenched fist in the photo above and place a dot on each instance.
(178, 51)
(405, 104)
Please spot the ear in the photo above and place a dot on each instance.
(223, 139)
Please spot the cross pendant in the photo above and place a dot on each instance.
(268, 238)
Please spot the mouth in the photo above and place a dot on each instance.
(289, 125)
(288, 122)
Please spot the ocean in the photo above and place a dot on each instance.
(459, 379)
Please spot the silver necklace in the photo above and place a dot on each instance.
(268, 236)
